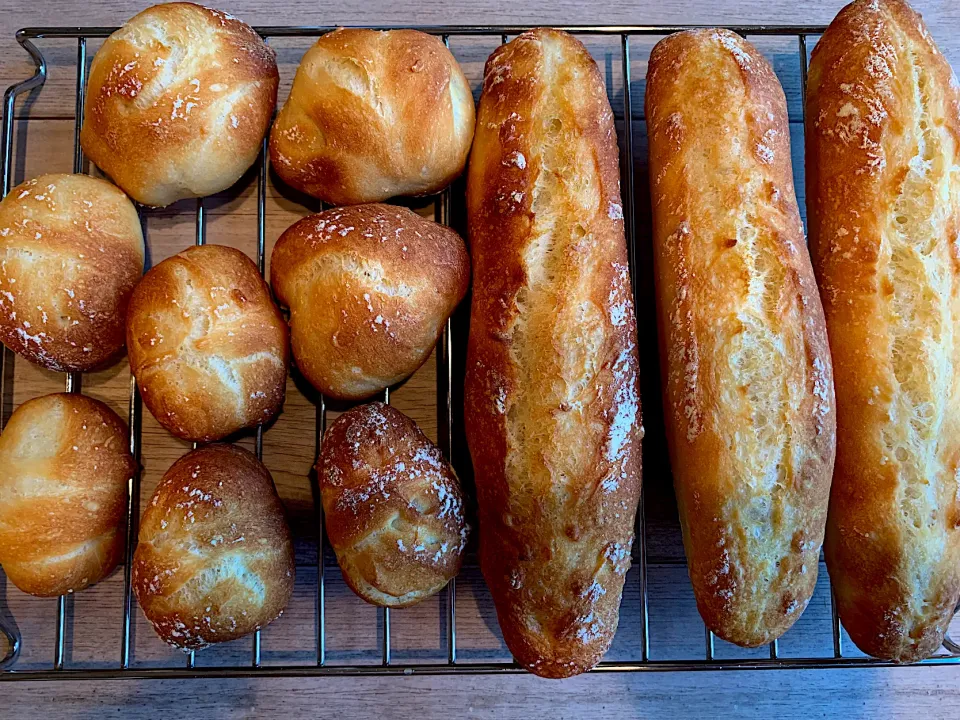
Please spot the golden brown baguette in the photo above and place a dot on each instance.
(553, 411)
(748, 387)
(883, 192)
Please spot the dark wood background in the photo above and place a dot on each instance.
(44, 143)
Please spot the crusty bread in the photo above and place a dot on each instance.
(64, 467)
(392, 506)
(71, 252)
(178, 102)
(552, 395)
(748, 388)
(369, 289)
(374, 114)
(207, 345)
(215, 558)
(883, 193)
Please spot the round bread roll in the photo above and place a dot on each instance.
(207, 345)
(374, 114)
(393, 508)
(178, 102)
(369, 289)
(214, 561)
(71, 252)
(64, 467)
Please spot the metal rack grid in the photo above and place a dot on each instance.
(445, 380)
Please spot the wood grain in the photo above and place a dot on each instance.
(44, 142)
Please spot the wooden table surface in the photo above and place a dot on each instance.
(44, 142)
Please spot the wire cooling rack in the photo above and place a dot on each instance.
(840, 656)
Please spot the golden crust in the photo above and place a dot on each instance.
(392, 506)
(178, 102)
(71, 252)
(883, 193)
(374, 114)
(369, 289)
(64, 467)
(207, 345)
(748, 387)
(215, 558)
(553, 419)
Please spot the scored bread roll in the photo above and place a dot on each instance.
(883, 192)
(178, 102)
(552, 394)
(374, 114)
(748, 389)
(207, 345)
(71, 252)
(214, 560)
(64, 467)
(392, 506)
(369, 289)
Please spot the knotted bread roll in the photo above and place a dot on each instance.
(215, 559)
(71, 252)
(374, 114)
(178, 102)
(64, 467)
(369, 289)
(207, 345)
(392, 506)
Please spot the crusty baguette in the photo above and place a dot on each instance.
(552, 399)
(883, 192)
(748, 387)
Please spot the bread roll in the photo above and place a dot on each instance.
(207, 345)
(374, 114)
(215, 559)
(71, 252)
(392, 506)
(178, 102)
(883, 192)
(552, 397)
(369, 289)
(64, 467)
(748, 388)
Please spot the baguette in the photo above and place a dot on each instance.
(552, 398)
(883, 191)
(748, 386)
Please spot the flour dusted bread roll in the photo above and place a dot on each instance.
(552, 397)
(71, 252)
(215, 559)
(178, 102)
(392, 506)
(207, 345)
(748, 389)
(369, 289)
(883, 192)
(374, 114)
(64, 467)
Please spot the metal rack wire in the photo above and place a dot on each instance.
(446, 383)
